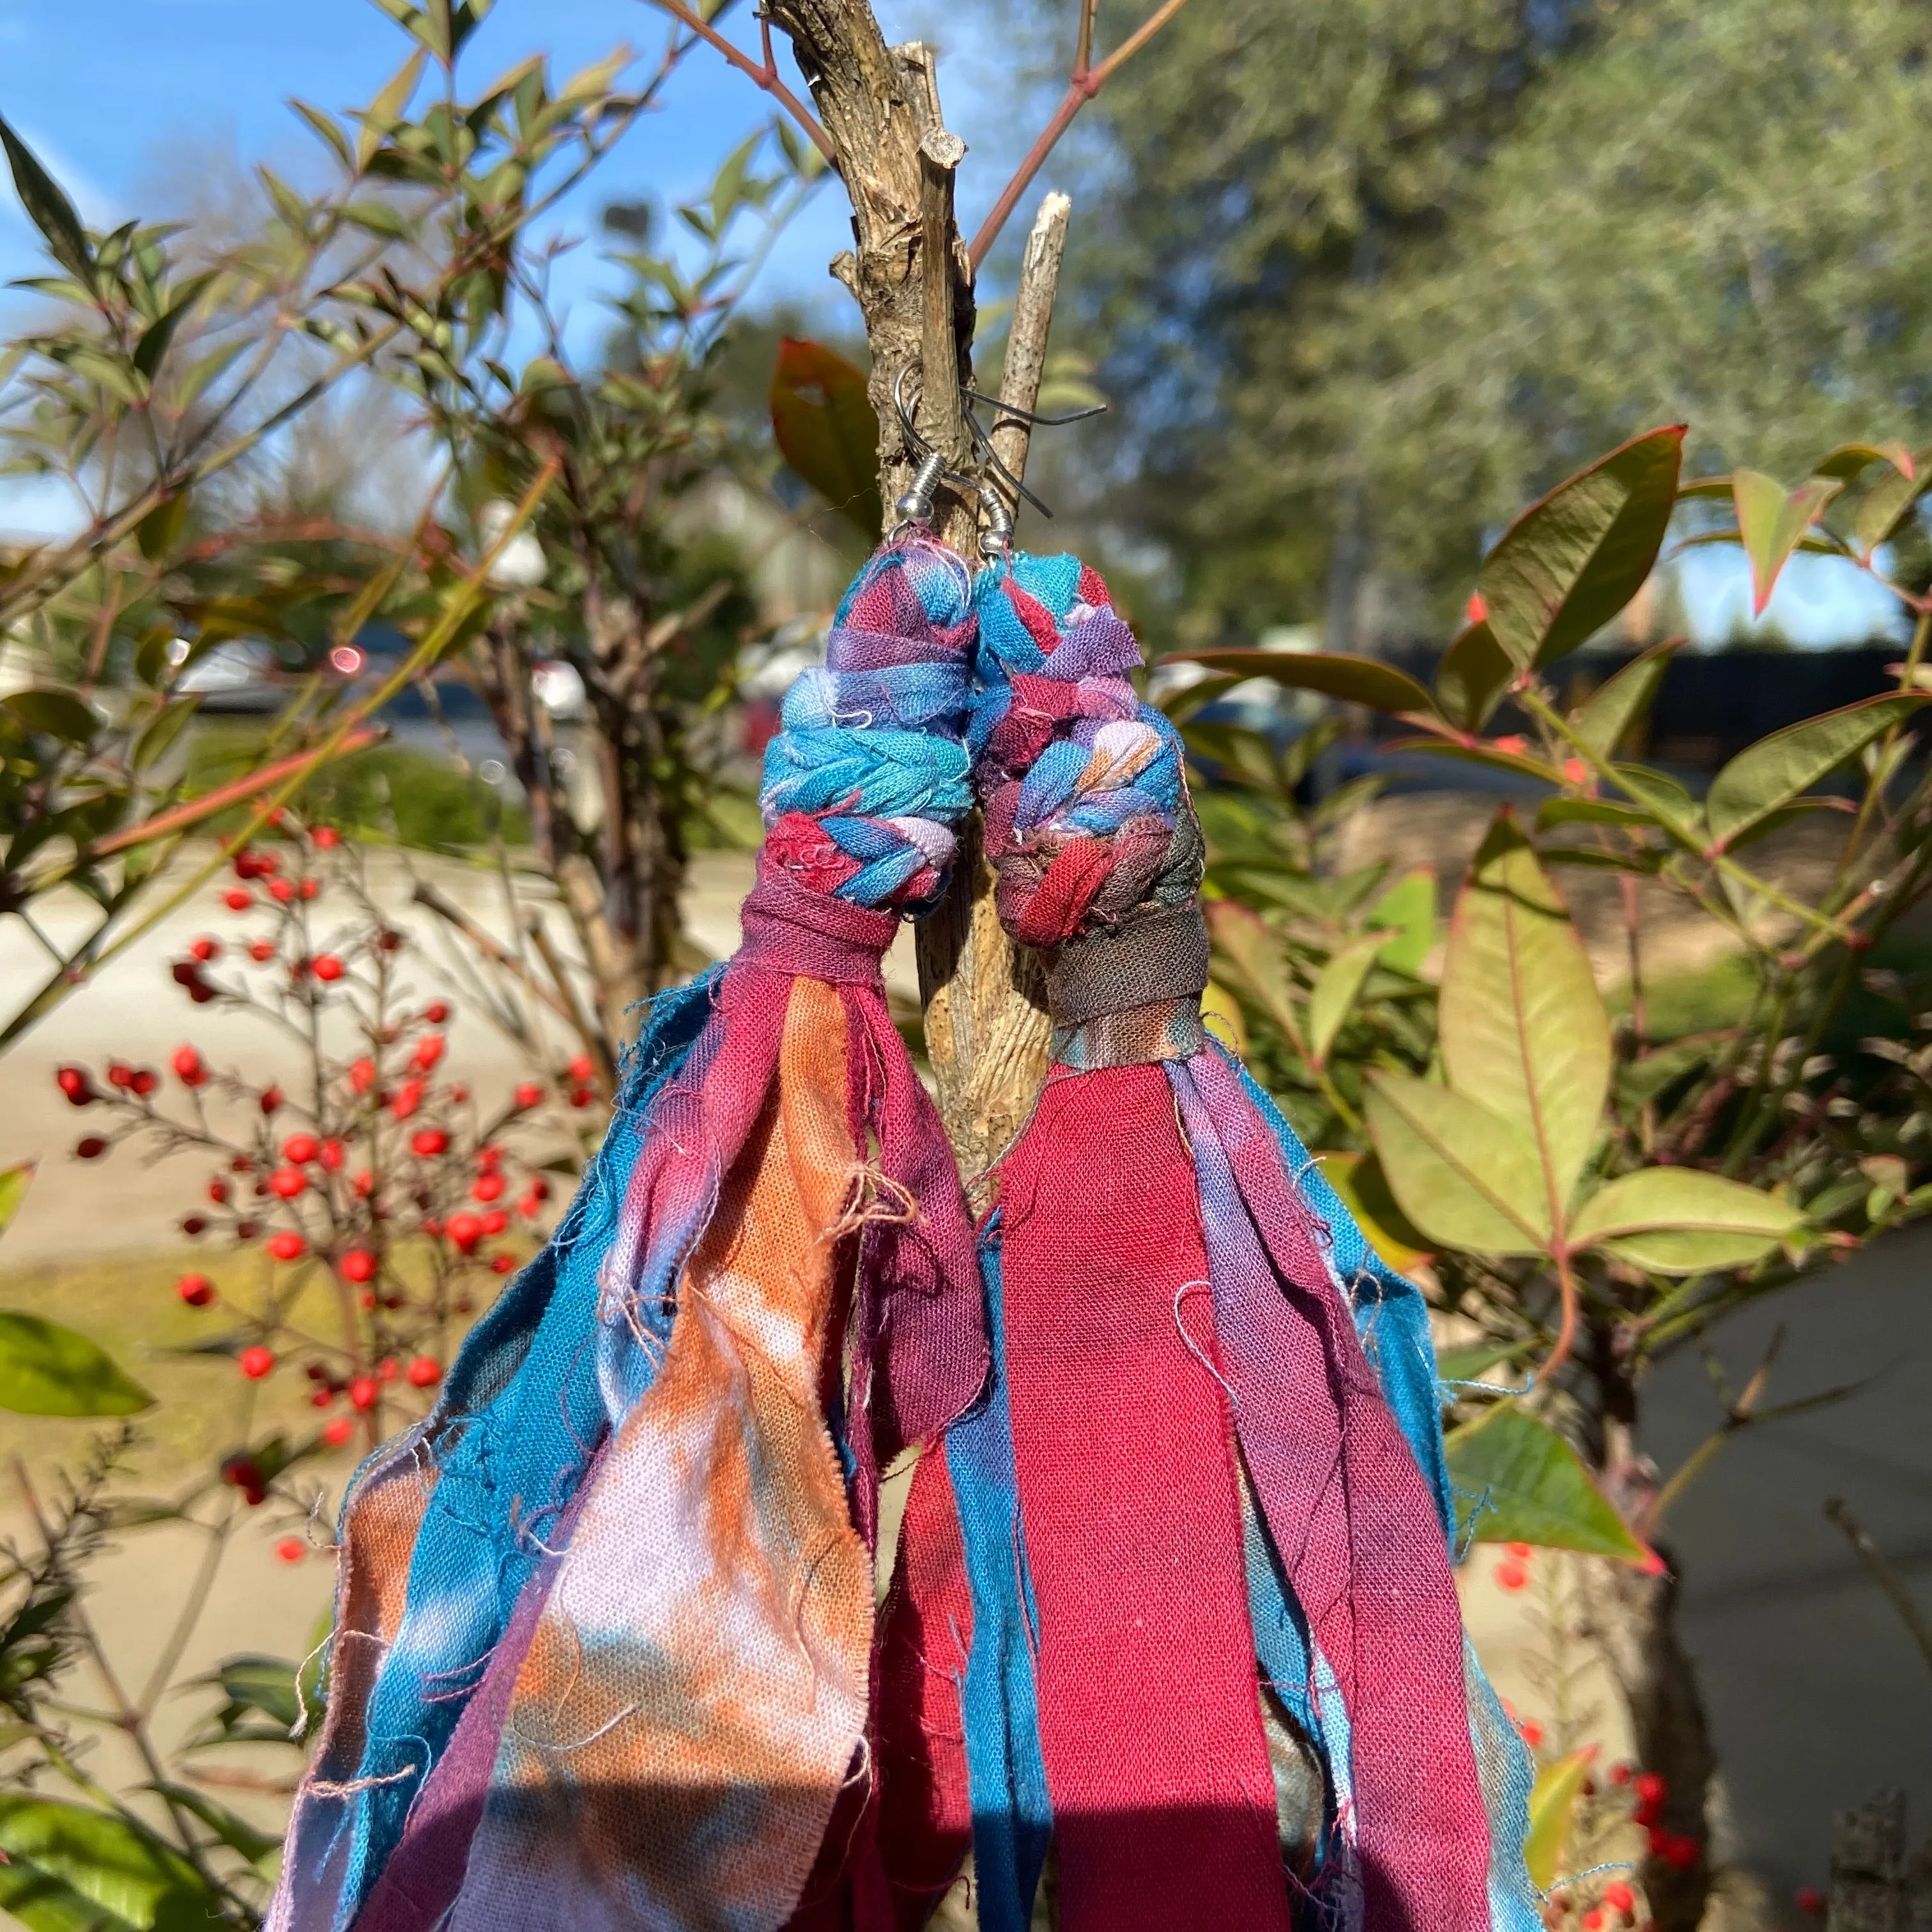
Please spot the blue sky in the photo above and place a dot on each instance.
(119, 97)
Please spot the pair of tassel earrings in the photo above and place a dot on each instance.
(1173, 1591)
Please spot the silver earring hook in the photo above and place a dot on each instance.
(916, 504)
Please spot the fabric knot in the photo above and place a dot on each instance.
(1159, 957)
(792, 930)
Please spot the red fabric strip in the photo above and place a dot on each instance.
(1163, 1801)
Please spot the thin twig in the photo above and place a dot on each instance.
(1082, 85)
(1026, 339)
(1883, 1575)
(765, 76)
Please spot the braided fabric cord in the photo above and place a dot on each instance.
(1225, 1444)
(603, 1654)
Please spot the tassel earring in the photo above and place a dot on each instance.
(1195, 1545)
(603, 1648)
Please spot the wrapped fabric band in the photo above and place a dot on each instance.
(1156, 955)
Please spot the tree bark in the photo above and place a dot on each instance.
(985, 1020)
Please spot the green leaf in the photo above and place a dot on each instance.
(1255, 952)
(70, 1868)
(256, 1687)
(1523, 1024)
(162, 730)
(1775, 769)
(237, 1833)
(326, 127)
(1473, 674)
(46, 1370)
(1555, 812)
(383, 113)
(1609, 714)
(1471, 1364)
(1335, 994)
(155, 338)
(1463, 1175)
(159, 530)
(1359, 1180)
(14, 1182)
(378, 217)
(1667, 801)
(1495, 760)
(1409, 906)
(47, 207)
(1570, 562)
(1771, 520)
(1552, 1811)
(822, 419)
(1519, 1482)
(57, 713)
(1354, 680)
(1732, 1225)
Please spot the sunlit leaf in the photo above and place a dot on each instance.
(1518, 1481)
(1570, 562)
(162, 730)
(1679, 1220)
(1254, 950)
(823, 420)
(14, 1182)
(1463, 1174)
(1552, 1812)
(1775, 769)
(1221, 1015)
(383, 113)
(71, 1868)
(1335, 992)
(1408, 906)
(1771, 520)
(1609, 715)
(1354, 680)
(1523, 1027)
(237, 1833)
(46, 1370)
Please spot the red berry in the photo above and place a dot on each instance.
(1619, 1898)
(1646, 1811)
(279, 890)
(291, 1549)
(92, 1148)
(364, 1183)
(271, 1100)
(501, 1264)
(326, 837)
(255, 1361)
(73, 1082)
(338, 1431)
(489, 1157)
(425, 1371)
(1520, 1551)
(143, 1081)
(326, 966)
(539, 1187)
(581, 1068)
(437, 1012)
(408, 1098)
(330, 1155)
(582, 1097)
(1651, 1787)
(1620, 1774)
(287, 1246)
(193, 1224)
(465, 1231)
(205, 949)
(530, 1206)
(119, 1074)
(361, 1075)
(196, 1290)
(1510, 1575)
(1681, 1854)
(1811, 1900)
(488, 1187)
(1532, 1733)
(459, 1093)
(320, 1399)
(495, 1222)
(358, 1265)
(238, 898)
(188, 1069)
(385, 1370)
(300, 1149)
(1593, 1919)
(363, 1391)
(218, 1190)
(529, 1094)
(288, 1182)
(308, 888)
(261, 950)
(429, 1051)
(427, 1142)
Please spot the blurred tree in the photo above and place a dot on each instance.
(1408, 261)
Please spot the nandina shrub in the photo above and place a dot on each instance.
(354, 1216)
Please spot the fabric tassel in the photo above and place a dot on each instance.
(1204, 1508)
(604, 1645)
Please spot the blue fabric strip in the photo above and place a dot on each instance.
(1012, 1818)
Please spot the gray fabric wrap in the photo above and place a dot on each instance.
(1156, 955)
